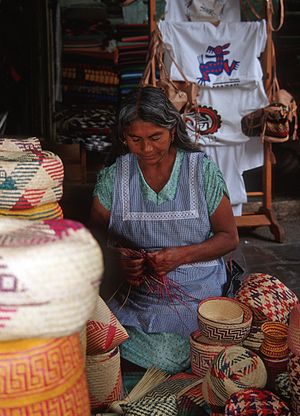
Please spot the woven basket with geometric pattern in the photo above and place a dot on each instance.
(22, 144)
(50, 211)
(294, 330)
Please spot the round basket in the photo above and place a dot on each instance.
(233, 369)
(255, 337)
(226, 333)
(50, 211)
(221, 310)
(52, 273)
(267, 296)
(202, 354)
(256, 402)
(104, 378)
(283, 386)
(20, 144)
(274, 344)
(294, 330)
(275, 367)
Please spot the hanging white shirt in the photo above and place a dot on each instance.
(216, 56)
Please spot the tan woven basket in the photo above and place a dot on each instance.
(50, 278)
(50, 211)
(222, 310)
(20, 144)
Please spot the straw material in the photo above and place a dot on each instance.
(268, 297)
(39, 374)
(255, 337)
(294, 330)
(274, 368)
(233, 370)
(202, 354)
(221, 310)
(274, 344)
(104, 378)
(50, 278)
(226, 333)
(9, 144)
(294, 376)
(256, 402)
(104, 331)
(27, 170)
(16, 199)
(50, 211)
(283, 386)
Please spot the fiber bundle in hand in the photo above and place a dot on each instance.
(50, 275)
(234, 369)
(43, 377)
(104, 331)
(268, 297)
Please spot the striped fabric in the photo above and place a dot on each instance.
(49, 211)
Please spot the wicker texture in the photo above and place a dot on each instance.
(274, 368)
(221, 310)
(283, 386)
(253, 402)
(255, 337)
(104, 331)
(50, 211)
(294, 330)
(226, 333)
(233, 370)
(50, 278)
(43, 377)
(274, 344)
(268, 297)
(294, 376)
(10, 144)
(104, 378)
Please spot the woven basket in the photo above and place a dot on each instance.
(255, 337)
(256, 402)
(24, 144)
(202, 354)
(50, 277)
(50, 211)
(16, 199)
(104, 379)
(104, 331)
(226, 333)
(294, 330)
(274, 344)
(221, 310)
(27, 170)
(232, 370)
(274, 368)
(47, 374)
(283, 386)
(268, 297)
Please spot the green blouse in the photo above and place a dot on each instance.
(214, 184)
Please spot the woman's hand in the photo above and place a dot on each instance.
(131, 265)
(165, 260)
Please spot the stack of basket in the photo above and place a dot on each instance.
(222, 322)
(103, 365)
(51, 271)
(294, 358)
(31, 180)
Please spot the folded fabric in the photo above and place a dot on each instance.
(104, 331)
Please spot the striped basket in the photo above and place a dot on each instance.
(283, 386)
(256, 402)
(233, 369)
(43, 377)
(20, 144)
(50, 211)
(202, 353)
(104, 331)
(50, 277)
(274, 368)
(294, 376)
(294, 330)
(27, 170)
(255, 337)
(268, 297)
(226, 333)
(104, 379)
(274, 344)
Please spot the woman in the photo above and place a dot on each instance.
(165, 208)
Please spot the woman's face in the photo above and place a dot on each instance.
(149, 142)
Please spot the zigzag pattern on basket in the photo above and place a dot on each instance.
(29, 198)
(104, 331)
(230, 335)
(27, 170)
(268, 297)
(49, 211)
(28, 144)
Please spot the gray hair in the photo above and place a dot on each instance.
(151, 104)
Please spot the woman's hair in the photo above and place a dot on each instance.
(150, 104)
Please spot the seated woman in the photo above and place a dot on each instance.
(164, 207)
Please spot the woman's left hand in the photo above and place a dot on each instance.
(165, 260)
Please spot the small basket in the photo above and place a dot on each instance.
(220, 309)
(294, 330)
(274, 344)
(223, 332)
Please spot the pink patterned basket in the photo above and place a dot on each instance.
(268, 297)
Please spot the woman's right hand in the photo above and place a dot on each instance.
(131, 265)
